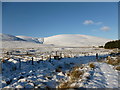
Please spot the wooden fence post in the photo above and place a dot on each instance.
(50, 58)
(56, 53)
(97, 56)
(19, 63)
(60, 55)
(32, 61)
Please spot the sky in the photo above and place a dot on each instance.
(44, 19)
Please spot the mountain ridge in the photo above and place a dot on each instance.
(8, 37)
(76, 40)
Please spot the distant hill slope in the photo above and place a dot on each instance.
(75, 40)
(7, 37)
(67, 40)
(10, 41)
(31, 39)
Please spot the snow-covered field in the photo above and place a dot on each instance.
(47, 72)
(21, 44)
(59, 61)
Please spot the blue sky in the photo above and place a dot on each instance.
(43, 19)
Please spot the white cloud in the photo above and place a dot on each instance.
(86, 22)
(105, 28)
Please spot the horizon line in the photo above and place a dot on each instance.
(59, 34)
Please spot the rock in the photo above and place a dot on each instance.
(29, 85)
(19, 86)
(21, 77)
(8, 81)
(22, 80)
(41, 85)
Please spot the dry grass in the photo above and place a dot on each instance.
(117, 68)
(3, 61)
(76, 74)
(75, 68)
(65, 85)
(91, 65)
(113, 62)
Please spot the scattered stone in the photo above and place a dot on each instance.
(19, 86)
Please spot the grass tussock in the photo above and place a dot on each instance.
(117, 68)
(65, 85)
(78, 67)
(91, 65)
(3, 61)
(75, 68)
(76, 74)
(113, 62)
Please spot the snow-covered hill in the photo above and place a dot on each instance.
(10, 41)
(7, 37)
(75, 40)
(31, 39)
(69, 40)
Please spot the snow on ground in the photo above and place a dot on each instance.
(50, 73)
(40, 73)
(104, 76)
(21, 44)
(18, 71)
(7, 37)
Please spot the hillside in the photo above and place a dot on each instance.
(67, 40)
(10, 41)
(31, 39)
(75, 40)
(7, 37)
